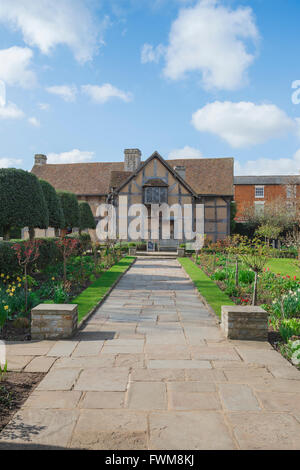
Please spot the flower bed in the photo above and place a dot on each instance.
(60, 282)
(278, 294)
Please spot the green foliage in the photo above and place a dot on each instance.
(86, 218)
(70, 208)
(21, 200)
(56, 215)
(289, 328)
(269, 231)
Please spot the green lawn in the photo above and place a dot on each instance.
(90, 297)
(284, 266)
(210, 291)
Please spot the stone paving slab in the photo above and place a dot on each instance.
(195, 430)
(40, 364)
(265, 431)
(18, 363)
(151, 369)
(110, 430)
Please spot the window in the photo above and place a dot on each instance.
(155, 195)
(259, 191)
(259, 207)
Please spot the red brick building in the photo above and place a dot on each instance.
(257, 191)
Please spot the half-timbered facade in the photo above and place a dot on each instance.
(154, 181)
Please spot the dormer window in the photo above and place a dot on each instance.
(155, 192)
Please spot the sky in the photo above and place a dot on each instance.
(81, 80)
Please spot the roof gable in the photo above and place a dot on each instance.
(166, 165)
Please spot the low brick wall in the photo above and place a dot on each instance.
(245, 323)
(54, 321)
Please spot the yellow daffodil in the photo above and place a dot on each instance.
(6, 307)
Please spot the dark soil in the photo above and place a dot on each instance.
(15, 388)
(12, 333)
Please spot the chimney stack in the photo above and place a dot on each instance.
(180, 169)
(132, 159)
(40, 159)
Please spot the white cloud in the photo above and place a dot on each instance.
(73, 156)
(48, 23)
(152, 54)
(34, 122)
(15, 65)
(44, 106)
(185, 152)
(11, 111)
(2, 93)
(243, 124)
(9, 162)
(211, 39)
(268, 166)
(101, 94)
(66, 92)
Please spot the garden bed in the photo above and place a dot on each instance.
(278, 294)
(15, 388)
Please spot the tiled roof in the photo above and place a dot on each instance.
(280, 179)
(204, 176)
(118, 177)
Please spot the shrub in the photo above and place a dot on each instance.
(21, 200)
(86, 218)
(56, 215)
(70, 208)
(289, 328)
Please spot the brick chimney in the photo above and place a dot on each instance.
(180, 169)
(40, 159)
(132, 159)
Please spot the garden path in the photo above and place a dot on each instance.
(152, 370)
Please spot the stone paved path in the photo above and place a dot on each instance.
(151, 370)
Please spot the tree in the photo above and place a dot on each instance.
(70, 208)
(56, 215)
(22, 201)
(86, 218)
(255, 255)
(66, 247)
(275, 213)
(269, 232)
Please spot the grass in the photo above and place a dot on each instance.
(91, 296)
(284, 266)
(210, 291)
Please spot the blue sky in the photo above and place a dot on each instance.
(80, 80)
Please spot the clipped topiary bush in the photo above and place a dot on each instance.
(70, 208)
(22, 201)
(86, 218)
(56, 215)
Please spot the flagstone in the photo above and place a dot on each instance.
(59, 379)
(53, 399)
(40, 427)
(238, 397)
(147, 396)
(40, 364)
(62, 348)
(197, 430)
(102, 400)
(113, 379)
(110, 430)
(265, 431)
(18, 363)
